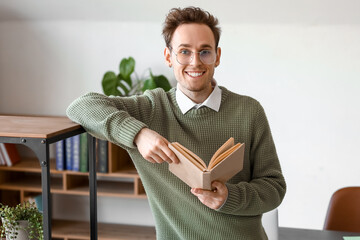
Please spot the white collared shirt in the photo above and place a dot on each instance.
(186, 104)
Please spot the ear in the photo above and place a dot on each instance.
(218, 55)
(167, 55)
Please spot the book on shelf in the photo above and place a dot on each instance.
(9, 153)
(68, 153)
(226, 162)
(72, 153)
(102, 155)
(2, 159)
(60, 155)
(75, 144)
(37, 199)
(84, 153)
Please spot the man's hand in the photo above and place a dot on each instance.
(153, 147)
(213, 199)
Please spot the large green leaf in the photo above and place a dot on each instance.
(149, 84)
(162, 82)
(156, 82)
(110, 84)
(121, 84)
(127, 67)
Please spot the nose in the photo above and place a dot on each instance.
(196, 59)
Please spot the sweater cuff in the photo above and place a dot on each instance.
(233, 200)
(130, 128)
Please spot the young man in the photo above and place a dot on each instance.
(201, 116)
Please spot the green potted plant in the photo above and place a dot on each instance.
(122, 84)
(24, 221)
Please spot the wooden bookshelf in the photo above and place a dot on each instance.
(75, 230)
(23, 179)
(25, 176)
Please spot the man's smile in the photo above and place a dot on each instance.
(195, 73)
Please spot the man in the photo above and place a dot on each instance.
(201, 116)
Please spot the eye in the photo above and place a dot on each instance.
(184, 52)
(205, 52)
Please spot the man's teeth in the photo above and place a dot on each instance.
(195, 74)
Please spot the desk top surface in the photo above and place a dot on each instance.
(308, 234)
(35, 126)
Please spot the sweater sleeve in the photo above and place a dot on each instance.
(266, 188)
(116, 119)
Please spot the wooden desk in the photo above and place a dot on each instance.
(307, 234)
(38, 133)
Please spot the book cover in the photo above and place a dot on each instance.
(102, 155)
(10, 153)
(224, 164)
(75, 153)
(68, 153)
(84, 154)
(2, 158)
(38, 202)
(37, 199)
(60, 155)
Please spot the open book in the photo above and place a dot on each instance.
(224, 164)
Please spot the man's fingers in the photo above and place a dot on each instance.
(207, 197)
(170, 155)
(162, 156)
(161, 151)
(202, 192)
(158, 155)
(165, 153)
(150, 159)
(153, 147)
(212, 198)
(218, 187)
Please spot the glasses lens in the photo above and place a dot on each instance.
(184, 56)
(207, 56)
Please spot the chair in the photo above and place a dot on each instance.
(344, 210)
(270, 223)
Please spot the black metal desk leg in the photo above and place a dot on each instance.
(41, 149)
(92, 186)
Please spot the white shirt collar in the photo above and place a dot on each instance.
(213, 101)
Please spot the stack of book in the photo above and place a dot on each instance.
(9, 154)
(72, 154)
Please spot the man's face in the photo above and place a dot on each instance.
(194, 77)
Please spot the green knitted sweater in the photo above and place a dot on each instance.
(258, 188)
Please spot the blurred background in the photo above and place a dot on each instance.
(300, 59)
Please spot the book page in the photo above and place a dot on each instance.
(190, 156)
(223, 156)
(192, 170)
(227, 145)
(230, 165)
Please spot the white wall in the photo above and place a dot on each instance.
(303, 66)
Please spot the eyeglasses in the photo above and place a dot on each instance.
(185, 56)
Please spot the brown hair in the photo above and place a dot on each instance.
(178, 16)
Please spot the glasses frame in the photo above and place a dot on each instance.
(192, 57)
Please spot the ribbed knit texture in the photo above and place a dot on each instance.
(258, 188)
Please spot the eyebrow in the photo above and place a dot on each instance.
(188, 45)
